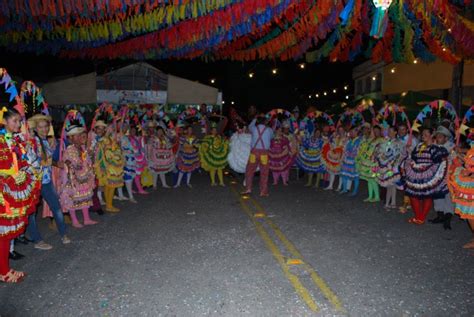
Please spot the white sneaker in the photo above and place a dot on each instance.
(66, 240)
(43, 246)
(133, 201)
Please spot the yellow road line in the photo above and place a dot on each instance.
(294, 280)
(317, 280)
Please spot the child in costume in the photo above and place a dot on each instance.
(77, 179)
(188, 156)
(19, 190)
(348, 168)
(133, 149)
(461, 185)
(443, 205)
(280, 157)
(365, 160)
(160, 156)
(260, 144)
(43, 155)
(309, 155)
(108, 162)
(213, 152)
(425, 174)
(331, 156)
(388, 157)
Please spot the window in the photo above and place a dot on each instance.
(378, 82)
(359, 88)
(368, 85)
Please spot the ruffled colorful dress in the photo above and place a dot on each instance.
(426, 172)
(213, 152)
(240, 145)
(365, 160)
(77, 179)
(461, 186)
(348, 167)
(161, 158)
(135, 159)
(188, 155)
(388, 157)
(309, 155)
(109, 163)
(331, 154)
(19, 186)
(281, 157)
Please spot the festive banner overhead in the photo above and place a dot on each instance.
(242, 30)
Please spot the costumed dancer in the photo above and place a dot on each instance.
(424, 174)
(43, 154)
(348, 168)
(77, 180)
(444, 206)
(365, 160)
(160, 156)
(409, 142)
(331, 156)
(388, 157)
(108, 161)
(280, 157)
(213, 152)
(240, 145)
(261, 138)
(309, 156)
(133, 150)
(188, 156)
(19, 189)
(461, 185)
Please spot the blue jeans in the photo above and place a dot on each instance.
(51, 197)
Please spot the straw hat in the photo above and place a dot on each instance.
(444, 131)
(33, 121)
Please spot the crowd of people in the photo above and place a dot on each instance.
(128, 150)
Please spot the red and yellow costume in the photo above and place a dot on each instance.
(19, 192)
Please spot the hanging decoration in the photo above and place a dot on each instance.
(242, 30)
(380, 20)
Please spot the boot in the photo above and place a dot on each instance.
(447, 221)
(439, 218)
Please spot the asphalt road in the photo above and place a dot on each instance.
(202, 251)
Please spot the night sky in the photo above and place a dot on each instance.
(288, 88)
